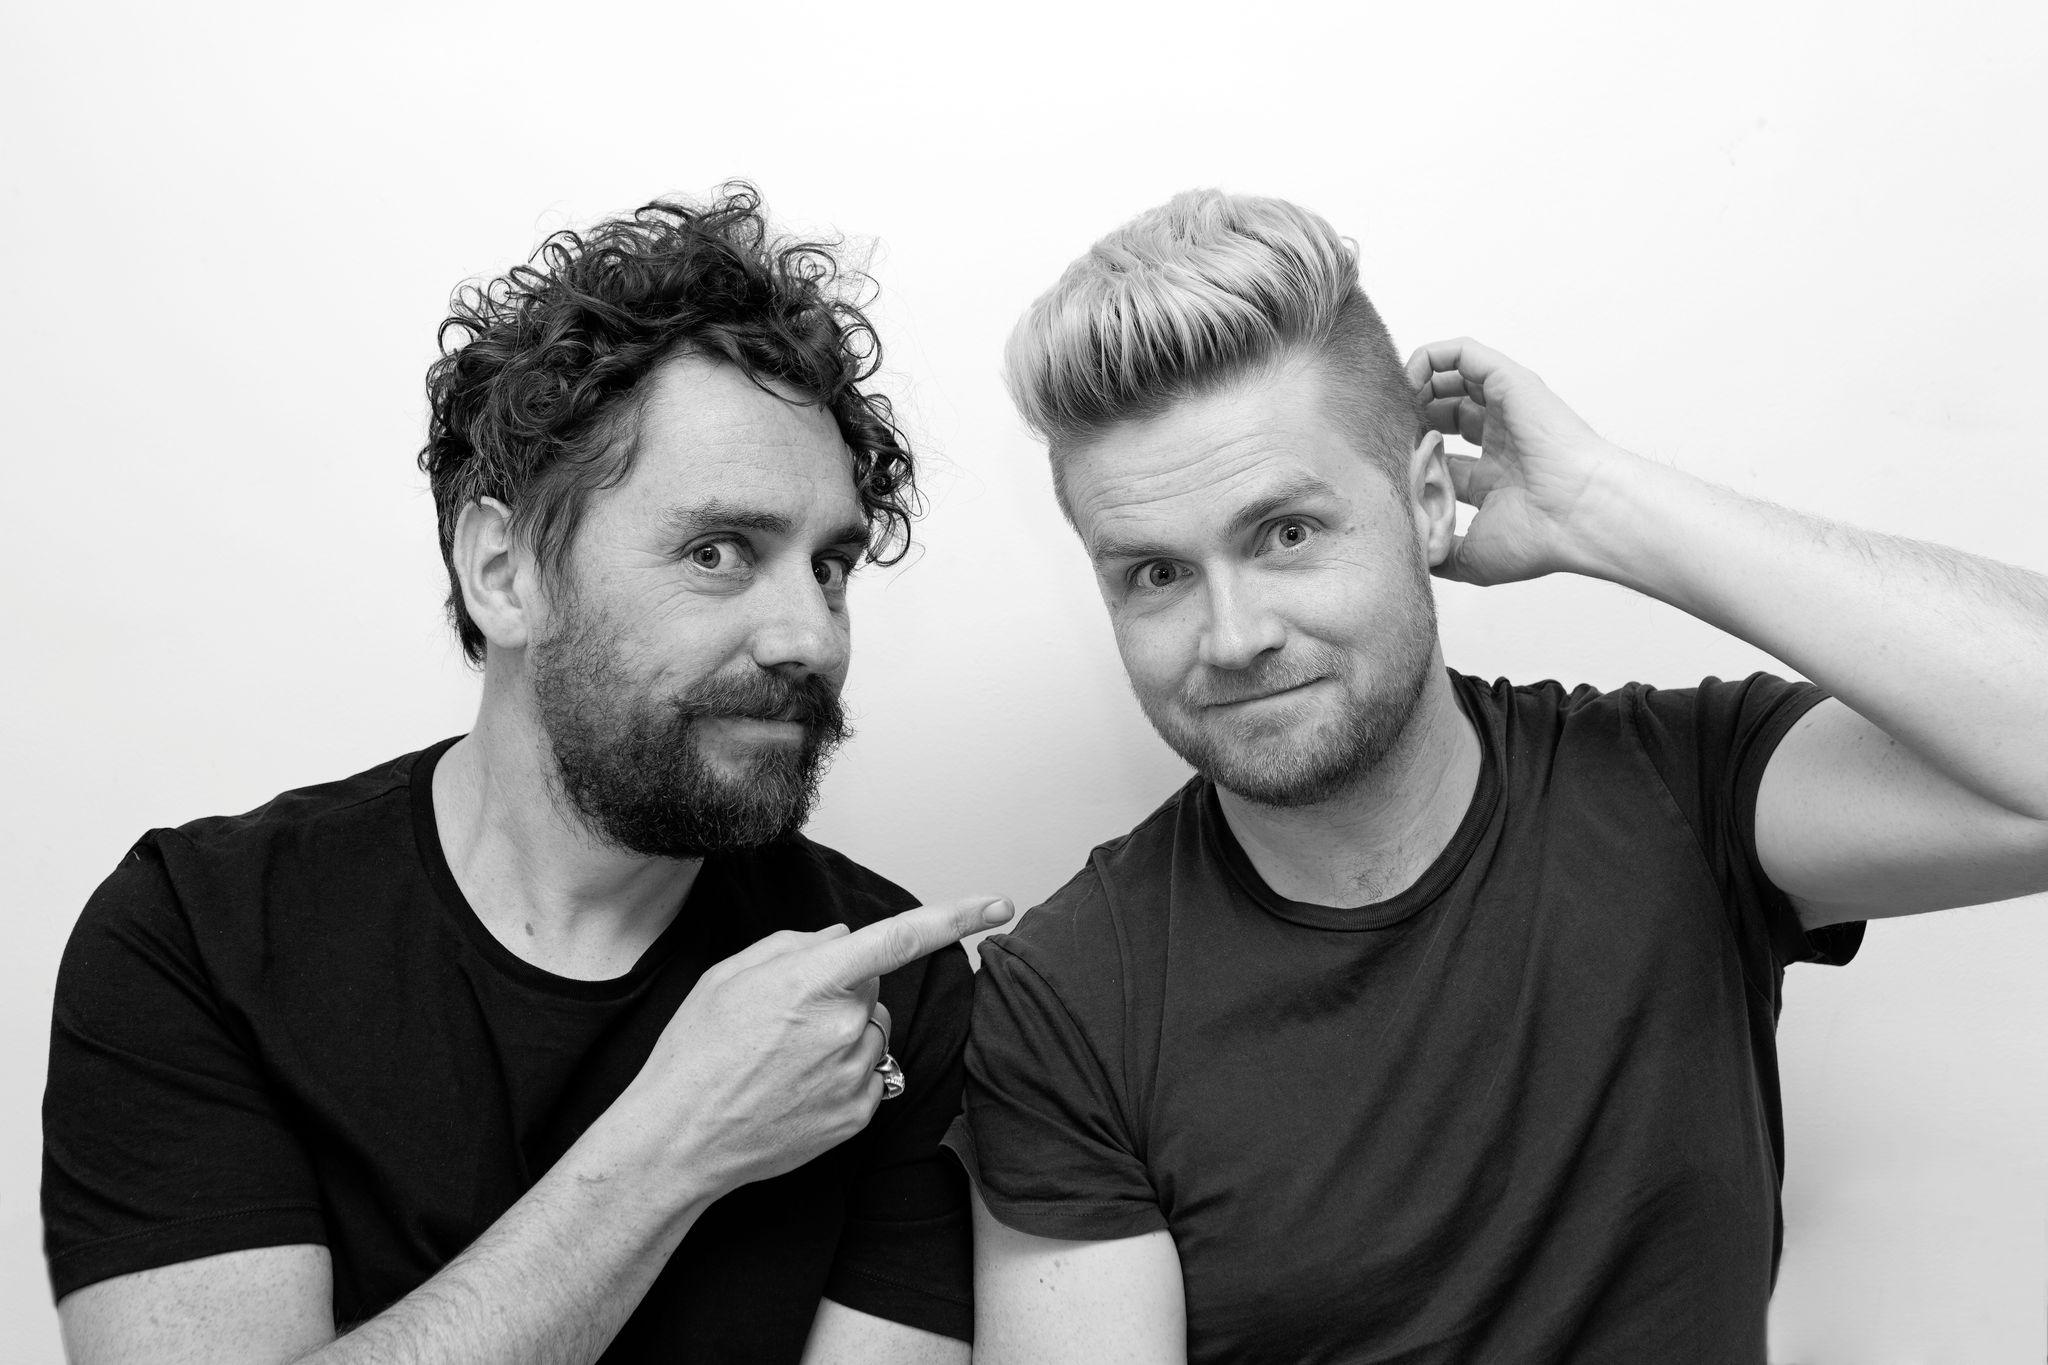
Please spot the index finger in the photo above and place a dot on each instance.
(901, 939)
(1462, 354)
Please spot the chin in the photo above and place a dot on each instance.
(1293, 767)
(1288, 761)
(1300, 780)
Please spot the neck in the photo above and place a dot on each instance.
(1374, 839)
(543, 884)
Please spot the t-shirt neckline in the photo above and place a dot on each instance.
(1433, 882)
(434, 862)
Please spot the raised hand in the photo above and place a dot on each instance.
(1538, 470)
(771, 1059)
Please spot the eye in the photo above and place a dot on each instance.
(1158, 573)
(1287, 534)
(832, 571)
(722, 556)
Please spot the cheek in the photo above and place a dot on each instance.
(1345, 595)
(844, 623)
(1156, 650)
(677, 642)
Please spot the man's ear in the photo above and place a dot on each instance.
(495, 572)
(1434, 497)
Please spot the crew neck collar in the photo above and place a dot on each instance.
(683, 927)
(1435, 879)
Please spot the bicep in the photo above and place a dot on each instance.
(1851, 824)
(847, 1336)
(1040, 1299)
(260, 1307)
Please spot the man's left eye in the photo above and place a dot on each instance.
(831, 572)
(1287, 534)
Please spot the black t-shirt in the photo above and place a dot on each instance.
(289, 1027)
(1527, 1110)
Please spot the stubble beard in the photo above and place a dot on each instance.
(1292, 770)
(632, 765)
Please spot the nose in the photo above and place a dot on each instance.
(1239, 628)
(798, 630)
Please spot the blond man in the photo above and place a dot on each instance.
(1433, 1020)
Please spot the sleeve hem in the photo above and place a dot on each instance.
(1075, 1220)
(910, 1305)
(1111, 1090)
(1070, 1220)
(189, 1240)
(1833, 944)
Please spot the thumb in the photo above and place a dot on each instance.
(1453, 567)
(1474, 477)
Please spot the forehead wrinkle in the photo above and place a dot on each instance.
(741, 483)
(1258, 482)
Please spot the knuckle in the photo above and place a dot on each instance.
(901, 942)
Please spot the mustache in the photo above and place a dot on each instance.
(811, 701)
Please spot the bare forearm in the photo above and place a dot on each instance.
(1941, 650)
(550, 1283)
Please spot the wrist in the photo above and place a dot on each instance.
(648, 1164)
(1621, 529)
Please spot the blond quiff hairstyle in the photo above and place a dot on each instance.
(1192, 294)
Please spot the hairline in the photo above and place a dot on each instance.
(1317, 357)
(616, 432)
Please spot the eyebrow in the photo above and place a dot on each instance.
(1299, 488)
(719, 514)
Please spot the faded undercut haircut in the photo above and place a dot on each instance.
(1191, 295)
(536, 397)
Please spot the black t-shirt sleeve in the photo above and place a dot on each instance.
(907, 1251)
(1711, 744)
(161, 1142)
(1044, 1134)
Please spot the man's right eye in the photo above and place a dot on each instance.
(716, 556)
(1159, 573)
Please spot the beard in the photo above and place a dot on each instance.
(1303, 763)
(633, 765)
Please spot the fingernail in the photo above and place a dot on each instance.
(997, 911)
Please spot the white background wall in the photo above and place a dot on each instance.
(1793, 249)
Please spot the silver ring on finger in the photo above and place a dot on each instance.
(892, 1076)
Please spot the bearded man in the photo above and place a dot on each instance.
(1433, 1021)
(555, 1041)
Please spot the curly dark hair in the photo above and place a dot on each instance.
(532, 401)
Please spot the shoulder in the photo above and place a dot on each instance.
(314, 824)
(1544, 707)
(1702, 746)
(207, 915)
(1551, 703)
(213, 864)
(1543, 725)
(1090, 943)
